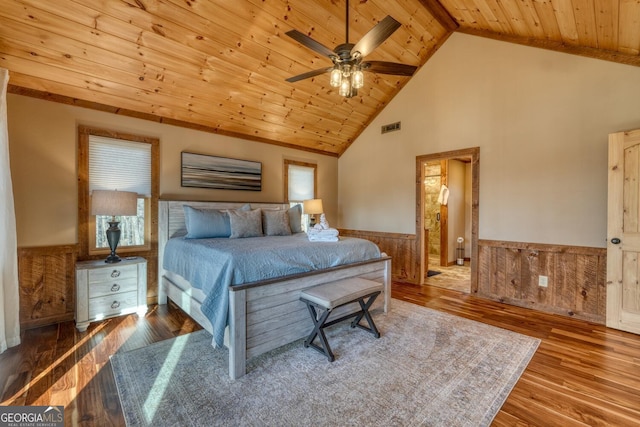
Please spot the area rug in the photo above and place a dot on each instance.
(428, 368)
(431, 273)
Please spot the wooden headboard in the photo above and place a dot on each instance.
(171, 213)
(171, 221)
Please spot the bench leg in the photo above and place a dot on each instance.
(319, 315)
(364, 311)
(319, 332)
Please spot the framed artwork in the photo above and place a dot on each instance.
(203, 171)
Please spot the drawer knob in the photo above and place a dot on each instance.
(115, 287)
(115, 304)
(115, 273)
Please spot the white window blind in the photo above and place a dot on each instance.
(115, 164)
(301, 183)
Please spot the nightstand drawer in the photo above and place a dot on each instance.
(106, 290)
(115, 286)
(112, 304)
(108, 274)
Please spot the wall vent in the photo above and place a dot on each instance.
(390, 127)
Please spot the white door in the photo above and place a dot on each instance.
(623, 232)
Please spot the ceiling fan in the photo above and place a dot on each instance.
(348, 64)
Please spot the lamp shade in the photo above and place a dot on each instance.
(114, 203)
(313, 206)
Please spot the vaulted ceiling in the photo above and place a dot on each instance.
(220, 66)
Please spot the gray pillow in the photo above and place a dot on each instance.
(275, 223)
(206, 223)
(295, 218)
(245, 223)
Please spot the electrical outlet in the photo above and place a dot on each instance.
(543, 281)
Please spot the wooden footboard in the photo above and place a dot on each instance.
(269, 314)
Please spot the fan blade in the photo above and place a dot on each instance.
(376, 36)
(310, 43)
(383, 67)
(309, 74)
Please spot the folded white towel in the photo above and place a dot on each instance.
(325, 232)
(318, 238)
(324, 235)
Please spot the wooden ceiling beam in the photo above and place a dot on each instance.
(438, 11)
(559, 46)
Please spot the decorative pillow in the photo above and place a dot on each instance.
(295, 218)
(275, 223)
(206, 223)
(245, 223)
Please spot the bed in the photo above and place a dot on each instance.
(263, 313)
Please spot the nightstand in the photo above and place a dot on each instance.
(109, 290)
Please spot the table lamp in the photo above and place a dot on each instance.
(114, 203)
(312, 207)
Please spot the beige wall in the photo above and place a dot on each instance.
(42, 144)
(541, 120)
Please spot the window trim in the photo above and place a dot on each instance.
(86, 222)
(288, 162)
(91, 233)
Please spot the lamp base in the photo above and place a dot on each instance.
(113, 258)
(113, 237)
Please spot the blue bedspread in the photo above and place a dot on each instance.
(213, 265)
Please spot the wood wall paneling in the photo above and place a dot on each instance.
(400, 247)
(509, 272)
(47, 278)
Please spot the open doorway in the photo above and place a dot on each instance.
(447, 188)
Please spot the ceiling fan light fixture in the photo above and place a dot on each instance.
(336, 77)
(347, 71)
(345, 87)
(357, 79)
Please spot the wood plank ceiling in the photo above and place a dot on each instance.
(221, 66)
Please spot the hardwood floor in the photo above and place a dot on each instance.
(57, 365)
(582, 374)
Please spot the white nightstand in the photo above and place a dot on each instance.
(108, 290)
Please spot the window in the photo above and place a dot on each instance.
(112, 161)
(300, 182)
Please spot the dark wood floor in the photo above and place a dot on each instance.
(582, 374)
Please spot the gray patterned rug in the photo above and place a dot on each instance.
(428, 368)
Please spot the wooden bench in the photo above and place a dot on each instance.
(321, 300)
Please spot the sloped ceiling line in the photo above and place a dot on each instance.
(220, 66)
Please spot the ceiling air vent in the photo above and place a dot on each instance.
(390, 127)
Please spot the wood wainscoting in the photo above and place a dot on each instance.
(576, 277)
(47, 284)
(400, 247)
